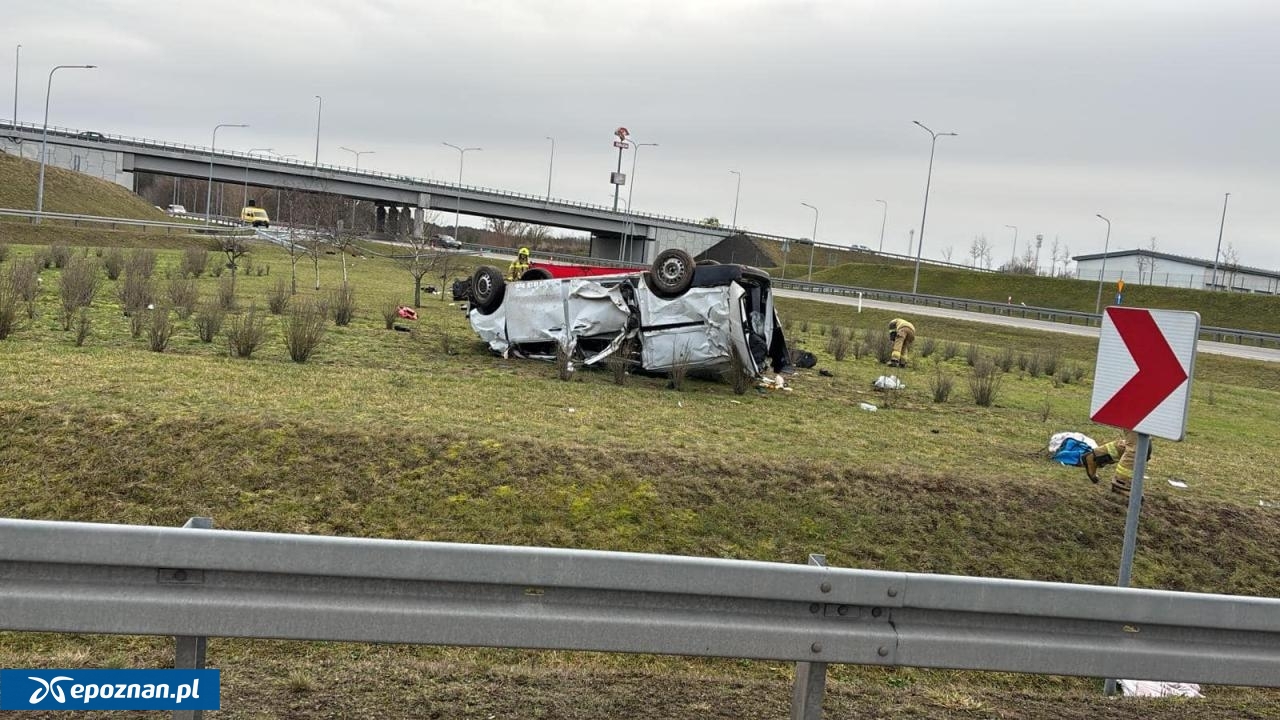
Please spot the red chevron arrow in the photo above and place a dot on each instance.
(1159, 370)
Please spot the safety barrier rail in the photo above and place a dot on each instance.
(225, 226)
(197, 583)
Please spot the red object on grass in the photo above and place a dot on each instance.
(572, 271)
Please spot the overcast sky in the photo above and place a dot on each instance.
(1147, 112)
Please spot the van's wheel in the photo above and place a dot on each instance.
(487, 289)
(536, 273)
(672, 273)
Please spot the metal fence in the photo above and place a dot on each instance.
(195, 583)
(223, 225)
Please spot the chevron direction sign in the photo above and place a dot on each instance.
(1142, 381)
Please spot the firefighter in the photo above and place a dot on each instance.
(519, 265)
(1119, 452)
(901, 334)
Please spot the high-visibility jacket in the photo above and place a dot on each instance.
(518, 266)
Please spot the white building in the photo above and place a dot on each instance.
(1145, 267)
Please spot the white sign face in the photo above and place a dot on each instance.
(1142, 381)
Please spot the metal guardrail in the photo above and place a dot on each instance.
(76, 219)
(1217, 334)
(197, 583)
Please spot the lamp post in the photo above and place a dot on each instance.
(635, 157)
(813, 241)
(551, 166)
(883, 218)
(357, 153)
(17, 59)
(278, 216)
(915, 282)
(1013, 256)
(462, 154)
(1214, 282)
(208, 197)
(249, 161)
(319, 107)
(44, 137)
(1097, 305)
(737, 192)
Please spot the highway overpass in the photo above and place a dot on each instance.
(637, 237)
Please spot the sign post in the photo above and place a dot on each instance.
(1142, 382)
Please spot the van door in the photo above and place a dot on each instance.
(739, 312)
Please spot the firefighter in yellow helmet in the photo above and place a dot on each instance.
(901, 334)
(519, 265)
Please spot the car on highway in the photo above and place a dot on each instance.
(675, 314)
(176, 210)
(90, 135)
(255, 216)
(446, 241)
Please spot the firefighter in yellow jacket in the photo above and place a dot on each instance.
(901, 333)
(519, 265)
(1121, 453)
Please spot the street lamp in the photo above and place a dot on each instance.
(357, 153)
(813, 242)
(1013, 256)
(1097, 306)
(736, 193)
(1214, 283)
(249, 161)
(635, 157)
(319, 107)
(883, 217)
(44, 138)
(208, 197)
(915, 282)
(551, 166)
(17, 59)
(462, 154)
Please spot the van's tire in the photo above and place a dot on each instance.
(536, 273)
(487, 289)
(672, 273)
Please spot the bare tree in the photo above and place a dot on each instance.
(980, 251)
(1143, 263)
(234, 247)
(1054, 249)
(1231, 263)
(1151, 261)
(947, 252)
(507, 231)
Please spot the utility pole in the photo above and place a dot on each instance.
(736, 194)
(915, 282)
(1213, 284)
(883, 218)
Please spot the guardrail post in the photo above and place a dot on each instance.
(189, 650)
(811, 677)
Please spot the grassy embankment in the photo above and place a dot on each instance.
(427, 436)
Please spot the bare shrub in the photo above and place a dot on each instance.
(208, 321)
(303, 329)
(8, 304)
(1051, 362)
(971, 354)
(59, 255)
(245, 333)
(838, 343)
(1063, 376)
(804, 325)
(4, 252)
(857, 344)
(142, 261)
(44, 260)
(446, 343)
(619, 362)
(941, 385)
(342, 305)
(950, 349)
(137, 322)
(1078, 372)
(159, 329)
(879, 344)
(1005, 359)
(679, 369)
(113, 263)
(928, 346)
(1034, 365)
(788, 325)
(739, 379)
(216, 270)
(564, 362)
(183, 295)
(82, 327)
(278, 298)
(1022, 361)
(195, 260)
(135, 293)
(984, 382)
(76, 286)
(390, 312)
(227, 293)
(1045, 409)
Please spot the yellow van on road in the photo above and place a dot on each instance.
(255, 216)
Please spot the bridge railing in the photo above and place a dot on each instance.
(196, 583)
(225, 225)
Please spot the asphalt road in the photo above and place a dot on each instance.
(1216, 348)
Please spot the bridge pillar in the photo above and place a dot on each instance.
(393, 221)
(380, 221)
(406, 220)
(419, 223)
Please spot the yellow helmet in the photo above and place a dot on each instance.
(524, 251)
